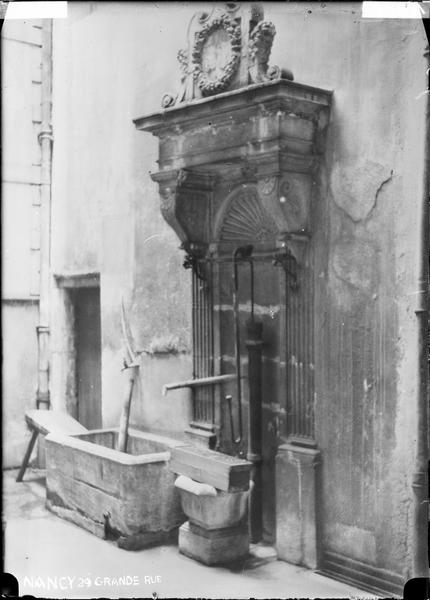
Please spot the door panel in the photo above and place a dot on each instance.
(88, 357)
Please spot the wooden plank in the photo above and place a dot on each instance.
(45, 421)
(224, 472)
(27, 456)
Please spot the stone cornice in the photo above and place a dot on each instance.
(311, 100)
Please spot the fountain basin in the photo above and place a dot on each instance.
(126, 497)
(211, 508)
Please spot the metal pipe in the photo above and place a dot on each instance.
(254, 345)
(45, 140)
(241, 253)
(420, 566)
(236, 327)
(192, 383)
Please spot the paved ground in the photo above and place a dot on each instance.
(52, 558)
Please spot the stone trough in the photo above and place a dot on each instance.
(127, 497)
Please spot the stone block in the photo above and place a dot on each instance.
(214, 546)
(296, 523)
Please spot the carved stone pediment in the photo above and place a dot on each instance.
(233, 125)
(226, 48)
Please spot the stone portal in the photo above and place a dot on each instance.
(239, 151)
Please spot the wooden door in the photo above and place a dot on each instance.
(88, 357)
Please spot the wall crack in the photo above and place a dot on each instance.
(378, 191)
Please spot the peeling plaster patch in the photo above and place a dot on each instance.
(356, 189)
(355, 262)
(170, 344)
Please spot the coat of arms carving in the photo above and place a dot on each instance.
(227, 48)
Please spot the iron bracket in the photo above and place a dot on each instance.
(288, 262)
(194, 258)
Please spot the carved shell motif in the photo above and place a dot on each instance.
(247, 220)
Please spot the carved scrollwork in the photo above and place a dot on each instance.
(260, 42)
(183, 62)
(207, 85)
(167, 100)
(260, 46)
(267, 185)
(294, 201)
(182, 177)
(168, 201)
(285, 187)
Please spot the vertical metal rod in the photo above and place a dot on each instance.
(311, 355)
(211, 344)
(27, 455)
(200, 393)
(305, 345)
(302, 397)
(251, 265)
(238, 439)
(254, 345)
(195, 343)
(45, 139)
(296, 361)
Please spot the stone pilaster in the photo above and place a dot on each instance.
(296, 529)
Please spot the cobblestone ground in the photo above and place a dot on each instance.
(52, 558)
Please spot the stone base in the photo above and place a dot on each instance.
(296, 522)
(214, 546)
